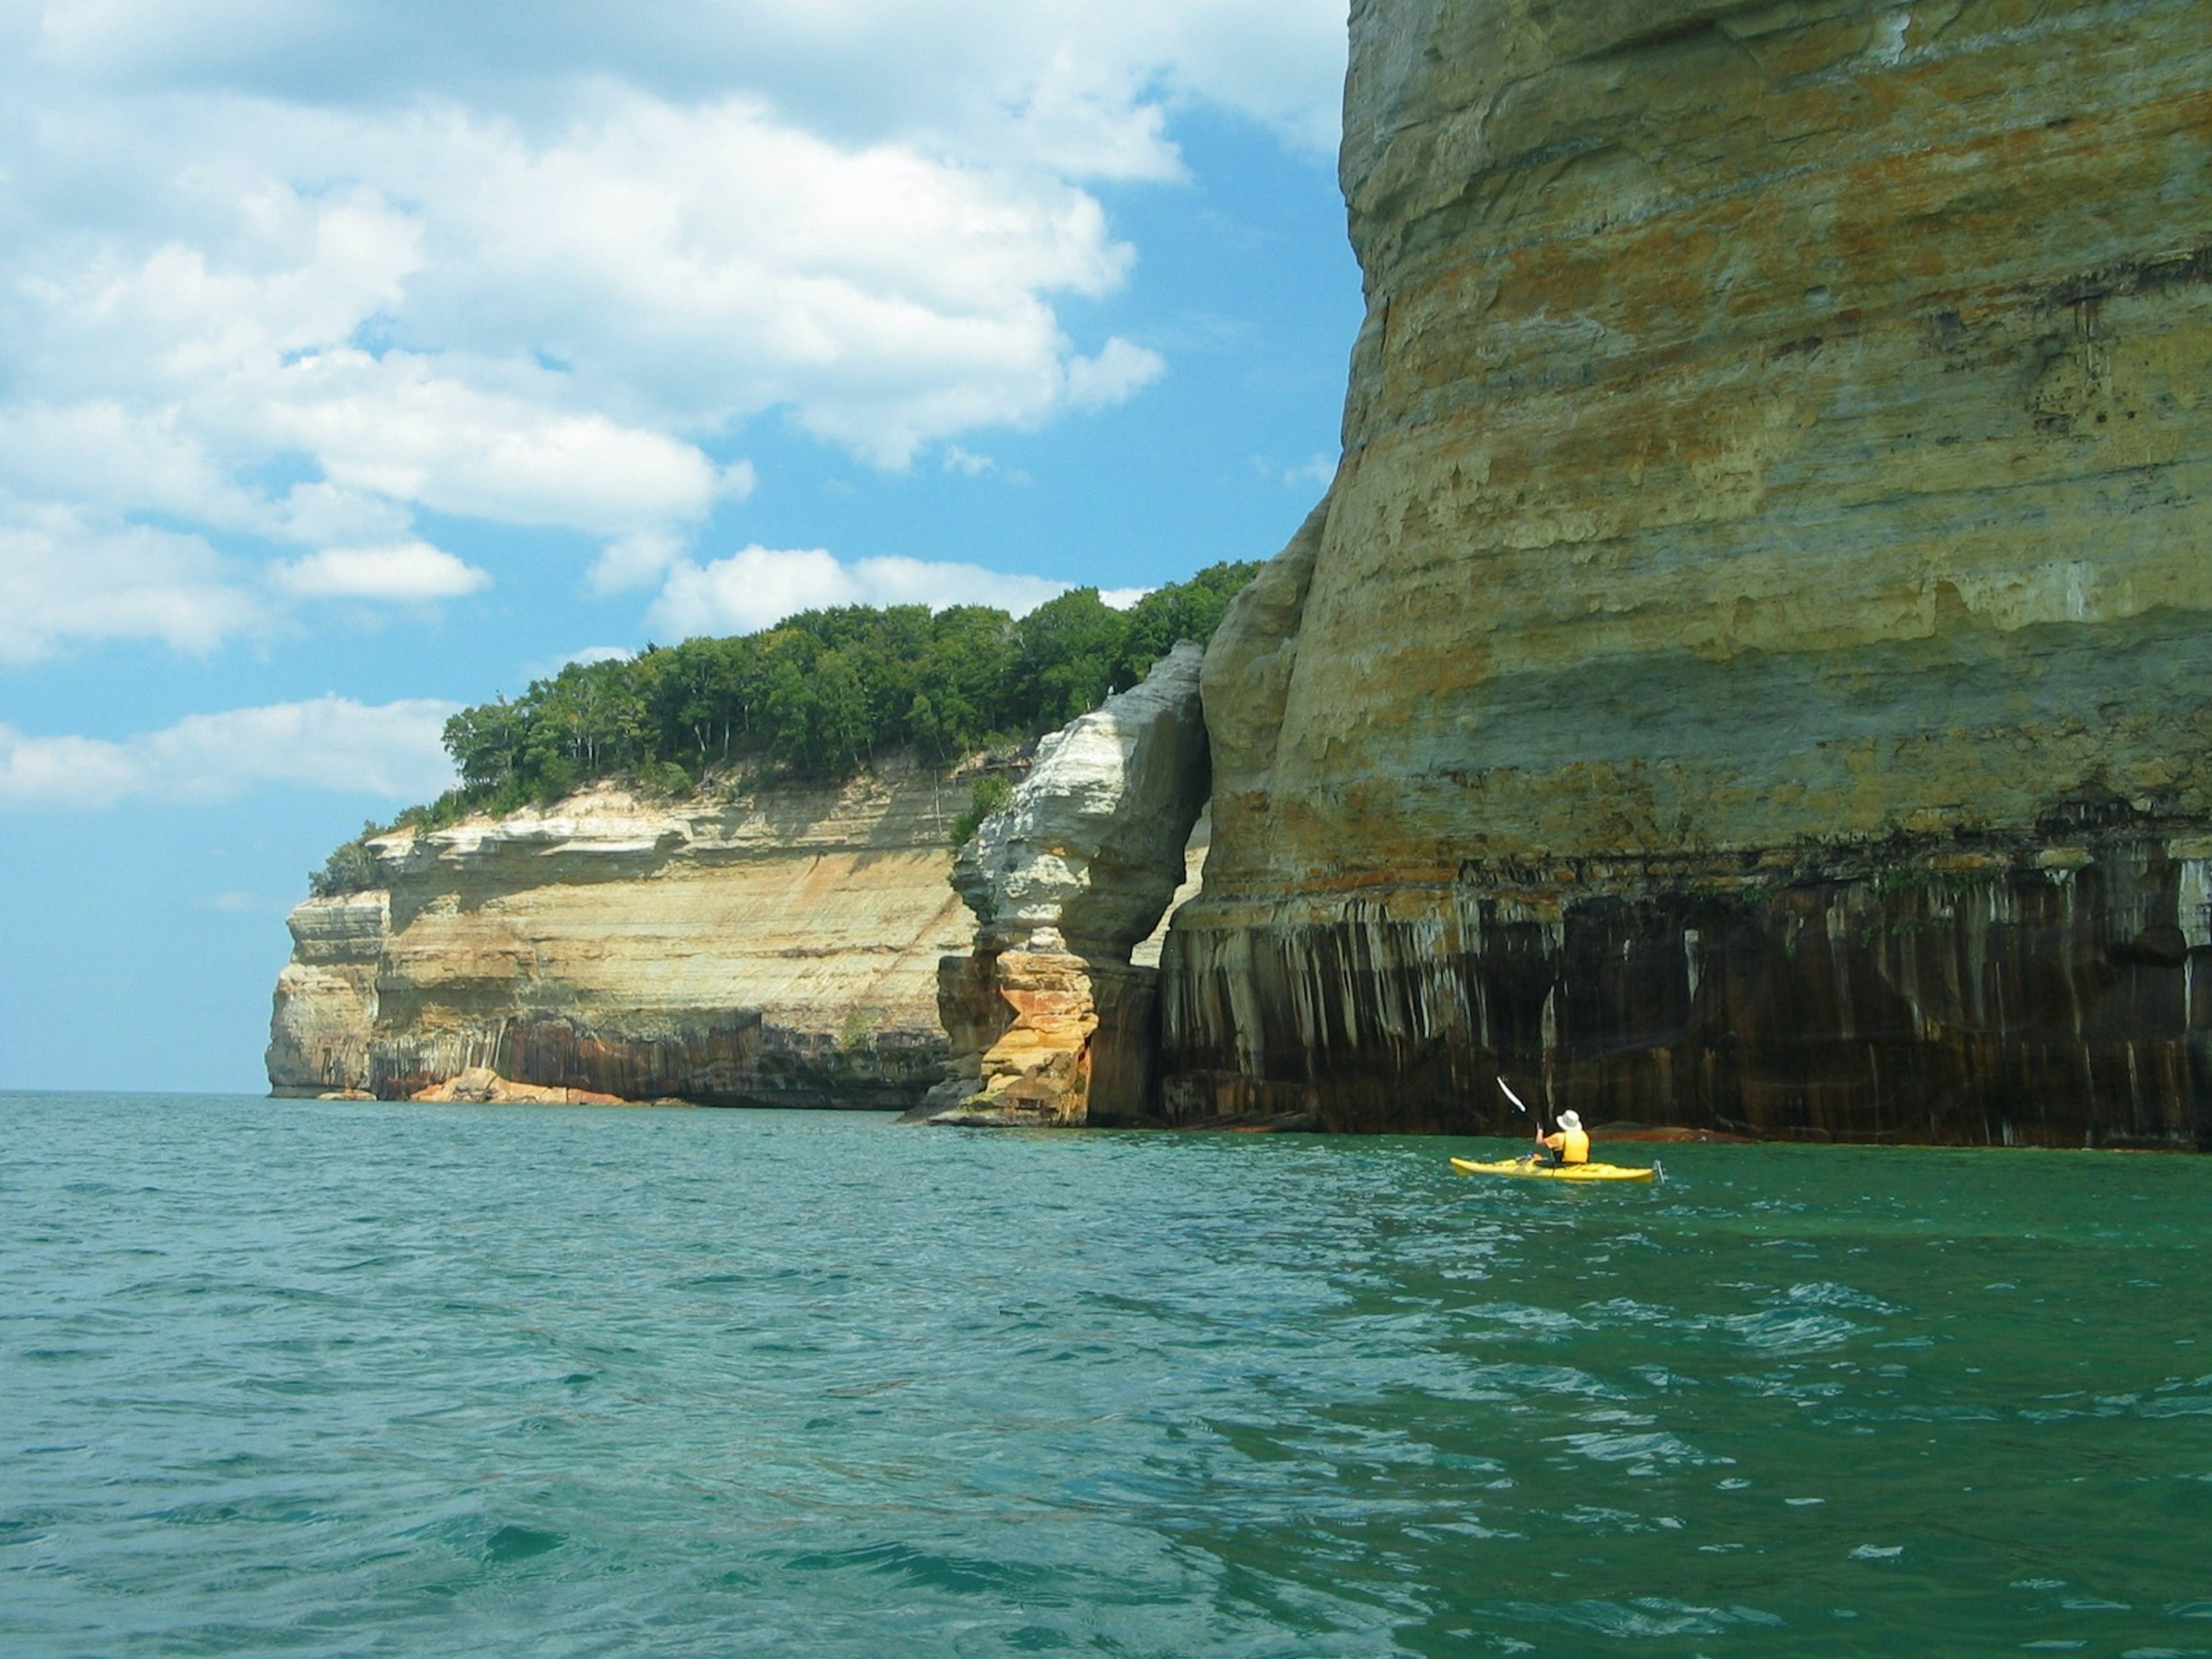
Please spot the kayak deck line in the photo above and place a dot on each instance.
(1520, 1170)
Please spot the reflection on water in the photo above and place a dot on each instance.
(340, 1379)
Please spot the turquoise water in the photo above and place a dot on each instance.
(339, 1379)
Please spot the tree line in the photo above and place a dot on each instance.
(824, 694)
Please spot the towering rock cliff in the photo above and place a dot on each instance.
(1753, 668)
(779, 949)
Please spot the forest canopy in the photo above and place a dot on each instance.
(823, 695)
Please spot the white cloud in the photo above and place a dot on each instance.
(1080, 82)
(546, 668)
(398, 427)
(634, 560)
(306, 270)
(63, 771)
(392, 749)
(1120, 598)
(1113, 375)
(64, 580)
(760, 586)
(920, 582)
(323, 513)
(411, 572)
(1315, 473)
(126, 460)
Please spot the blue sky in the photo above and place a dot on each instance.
(360, 359)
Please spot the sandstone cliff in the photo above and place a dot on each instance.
(779, 949)
(1752, 666)
(1051, 1020)
(326, 995)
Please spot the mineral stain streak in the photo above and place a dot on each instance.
(2039, 996)
(1752, 670)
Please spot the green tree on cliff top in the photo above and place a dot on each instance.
(823, 695)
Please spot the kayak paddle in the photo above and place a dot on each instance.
(1522, 1107)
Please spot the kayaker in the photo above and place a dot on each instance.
(1570, 1143)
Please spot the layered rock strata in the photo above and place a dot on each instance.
(1051, 1021)
(325, 1004)
(1752, 669)
(778, 950)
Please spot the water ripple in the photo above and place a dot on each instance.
(339, 1379)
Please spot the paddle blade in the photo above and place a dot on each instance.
(1510, 1096)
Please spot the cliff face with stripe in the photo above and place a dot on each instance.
(776, 950)
(1754, 667)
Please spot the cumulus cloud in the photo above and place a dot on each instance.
(129, 458)
(1080, 84)
(63, 580)
(1316, 471)
(1111, 376)
(390, 749)
(761, 586)
(400, 428)
(300, 273)
(323, 513)
(546, 668)
(634, 560)
(412, 571)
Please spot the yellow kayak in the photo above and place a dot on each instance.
(1521, 1169)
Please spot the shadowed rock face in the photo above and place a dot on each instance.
(779, 950)
(2034, 995)
(1753, 668)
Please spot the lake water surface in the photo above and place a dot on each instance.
(339, 1379)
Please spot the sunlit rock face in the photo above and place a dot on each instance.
(326, 1003)
(1090, 849)
(780, 949)
(1753, 668)
(1051, 1022)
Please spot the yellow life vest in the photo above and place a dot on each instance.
(1571, 1145)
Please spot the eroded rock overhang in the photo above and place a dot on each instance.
(1051, 1022)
